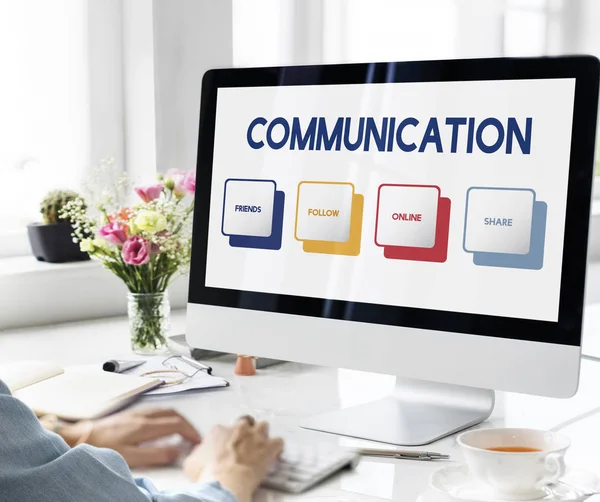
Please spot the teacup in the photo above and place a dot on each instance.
(531, 460)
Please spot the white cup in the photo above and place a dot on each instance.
(515, 475)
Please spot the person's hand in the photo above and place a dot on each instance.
(126, 431)
(239, 457)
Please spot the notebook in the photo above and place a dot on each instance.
(73, 393)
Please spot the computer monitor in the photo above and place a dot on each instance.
(422, 219)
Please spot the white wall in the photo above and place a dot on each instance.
(589, 34)
(168, 45)
(138, 89)
(107, 113)
(190, 37)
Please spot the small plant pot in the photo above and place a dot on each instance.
(54, 243)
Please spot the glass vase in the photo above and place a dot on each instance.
(149, 322)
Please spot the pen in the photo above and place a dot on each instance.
(118, 366)
(197, 364)
(403, 454)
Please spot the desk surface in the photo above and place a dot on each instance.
(287, 393)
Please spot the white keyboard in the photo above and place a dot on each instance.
(303, 466)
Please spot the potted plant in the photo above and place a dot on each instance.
(52, 240)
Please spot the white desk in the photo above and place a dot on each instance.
(286, 393)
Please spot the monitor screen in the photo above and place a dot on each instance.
(447, 196)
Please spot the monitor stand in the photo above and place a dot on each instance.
(417, 412)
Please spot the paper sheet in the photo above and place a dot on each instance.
(201, 380)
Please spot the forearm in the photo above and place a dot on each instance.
(238, 479)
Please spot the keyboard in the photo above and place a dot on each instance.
(301, 466)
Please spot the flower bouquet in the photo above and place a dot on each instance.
(146, 244)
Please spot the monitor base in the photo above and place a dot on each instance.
(416, 413)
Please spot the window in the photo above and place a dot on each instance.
(44, 124)
(61, 103)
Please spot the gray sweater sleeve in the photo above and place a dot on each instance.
(38, 466)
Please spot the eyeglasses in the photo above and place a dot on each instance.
(178, 365)
(185, 365)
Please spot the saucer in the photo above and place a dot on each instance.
(456, 482)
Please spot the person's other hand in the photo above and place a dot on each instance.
(126, 432)
(239, 457)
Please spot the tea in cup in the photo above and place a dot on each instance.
(515, 464)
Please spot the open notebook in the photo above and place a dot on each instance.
(73, 393)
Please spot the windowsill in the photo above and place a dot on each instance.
(14, 243)
(34, 293)
(18, 265)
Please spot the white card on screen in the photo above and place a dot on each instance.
(498, 220)
(324, 211)
(248, 207)
(407, 215)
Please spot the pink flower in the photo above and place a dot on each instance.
(189, 182)
(150, 193)
(114, 232)
(136, 251)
